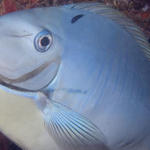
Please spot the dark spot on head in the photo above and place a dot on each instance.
(74, 19)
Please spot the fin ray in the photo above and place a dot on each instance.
(71, 130)
(79, 128)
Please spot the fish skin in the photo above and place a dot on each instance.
(102, 59)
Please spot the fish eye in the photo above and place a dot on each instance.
(43, 41)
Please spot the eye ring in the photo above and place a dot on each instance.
(43, 41)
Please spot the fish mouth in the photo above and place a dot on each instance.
(7, 82)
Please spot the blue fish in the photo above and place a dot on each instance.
(87, 67)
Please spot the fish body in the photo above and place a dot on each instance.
(92, 70)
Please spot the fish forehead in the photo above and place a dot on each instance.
(37, 17)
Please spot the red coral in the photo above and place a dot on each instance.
(145, 15)
(9, 6)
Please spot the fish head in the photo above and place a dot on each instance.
(30, 48)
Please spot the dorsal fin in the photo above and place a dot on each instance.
(121, 19)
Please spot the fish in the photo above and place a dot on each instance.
(86, 66)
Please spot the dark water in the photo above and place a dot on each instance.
(6, 144)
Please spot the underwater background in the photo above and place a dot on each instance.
(137, 10)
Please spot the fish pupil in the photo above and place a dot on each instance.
(45, 41)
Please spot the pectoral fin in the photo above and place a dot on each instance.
(72, 131)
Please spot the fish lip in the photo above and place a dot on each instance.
(7, 82)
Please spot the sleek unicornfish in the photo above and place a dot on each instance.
(87, 67)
